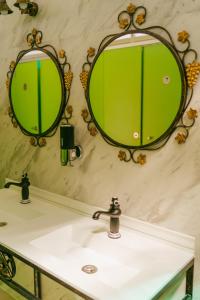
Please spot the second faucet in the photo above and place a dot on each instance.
(114, 212)
(24, 184)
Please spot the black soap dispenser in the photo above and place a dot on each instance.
(68, 150)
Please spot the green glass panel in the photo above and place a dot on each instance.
(135, 89)
(24, 94)
(51, 93)
(162, 89)
(115, 93)
(97, 91)
(36, 92)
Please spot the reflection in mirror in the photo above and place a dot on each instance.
(36, 92)
(39, 84)
(135, 89)
(139, 85)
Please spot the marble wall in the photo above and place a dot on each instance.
(166, 190)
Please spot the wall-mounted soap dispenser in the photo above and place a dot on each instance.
(68, 151)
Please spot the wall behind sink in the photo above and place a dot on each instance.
(166, 190)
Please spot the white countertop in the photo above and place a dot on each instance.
(62, 239)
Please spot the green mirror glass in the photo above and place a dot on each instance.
(136, 89)
(139, 85)
(36, 92)
(39, 84)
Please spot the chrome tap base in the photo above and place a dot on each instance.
(114, 235)
(25, 201)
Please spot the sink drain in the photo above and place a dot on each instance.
(89, 269)
(2, 224)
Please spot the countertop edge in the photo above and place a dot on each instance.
(168, 235)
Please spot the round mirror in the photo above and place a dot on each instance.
(37, 92)
(136, 89)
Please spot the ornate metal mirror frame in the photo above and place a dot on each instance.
(134, 17)
(34, 40)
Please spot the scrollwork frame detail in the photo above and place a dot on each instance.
(7, 266)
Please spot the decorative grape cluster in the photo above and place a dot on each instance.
(68, 79)
(192, 71)
(83, 78)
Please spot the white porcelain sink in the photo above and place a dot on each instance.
(118, 261)
(86, 243)
(22, 213)
(12, 208)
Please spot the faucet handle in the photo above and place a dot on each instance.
(25, 179)
(115, 202)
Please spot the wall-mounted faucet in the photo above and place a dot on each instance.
(114, 212)
(24, 184)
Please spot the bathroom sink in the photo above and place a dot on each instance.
(23, 214)
(11, 208)
(119, 261)
(86, 243)
(84, 234)
(21, 211)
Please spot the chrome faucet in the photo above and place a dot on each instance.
(114, 212)
(24, 184)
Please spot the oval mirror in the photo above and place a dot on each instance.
(39, 84)
(37, 93)
(136, 89)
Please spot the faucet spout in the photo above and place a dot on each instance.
(8, 184)
(97, 214)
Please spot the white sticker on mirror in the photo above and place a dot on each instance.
(166, 79)
(136, 135)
